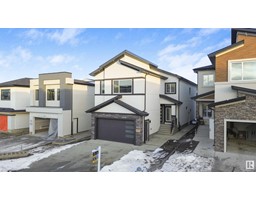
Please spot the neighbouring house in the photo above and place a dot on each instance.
(13, 103)
(235, 92)
(133, 97)
(57, 102)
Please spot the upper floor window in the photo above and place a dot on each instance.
(58, 94)
(243, 71)
(6, 94)
(208, 80)
(37, 94)
(170, 88)
(102, 87)
(50, 94)
(122, 86)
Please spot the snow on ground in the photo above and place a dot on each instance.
(22, 163)
(179, 162)
(134, 161)
(187, 162)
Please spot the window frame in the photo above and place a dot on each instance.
(230, 62)
(102, 87)
(165, 88)
(47, 97)
(9, 98)
(36, 94)
(119, 92)
(208, 80)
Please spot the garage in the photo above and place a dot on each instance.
(116, 130)
(240, 136)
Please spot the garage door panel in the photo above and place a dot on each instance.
(116, 130)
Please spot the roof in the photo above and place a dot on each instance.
(119, 102)
(23, 82)
(117, 57)
(204, 68)
(10, 110)
(213, 54)
(142, 70)
(170, 99)
(176, 75)
(227, 101)
(202, 95)
(234, 32)
(81, 82)
(243, 89)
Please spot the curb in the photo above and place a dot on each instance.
(12, 155)
(71, 141)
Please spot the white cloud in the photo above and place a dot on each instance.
(208, 31)
(168, 38)
(68, 35)
(171, 49)
(59, 59)
(34, 34)
(22, 53)
(145, 41)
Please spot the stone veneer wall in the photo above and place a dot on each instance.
(238, 111)
(139, 129)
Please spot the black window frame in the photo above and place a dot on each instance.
(165, 88)
(52, 95)
(9, 96)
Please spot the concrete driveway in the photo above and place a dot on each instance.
(79, 157)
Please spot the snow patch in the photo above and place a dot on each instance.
(23, 163)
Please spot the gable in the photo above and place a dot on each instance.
(245, 52)
(114, 108)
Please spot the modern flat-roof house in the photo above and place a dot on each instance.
(13, 102)
(57, 102)
(133, 97)
(235, 92)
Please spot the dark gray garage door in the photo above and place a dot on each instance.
(116, 130)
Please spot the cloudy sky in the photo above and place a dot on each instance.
(28, 52)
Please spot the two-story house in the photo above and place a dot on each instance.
(13, 103)
(235, 92)
(133, 97)
(57, 102)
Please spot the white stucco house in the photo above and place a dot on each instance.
(133, 97)
(13, 103)
(57, 102)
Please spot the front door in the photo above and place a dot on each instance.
(168, 114)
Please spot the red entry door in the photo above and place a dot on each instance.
(3, 123)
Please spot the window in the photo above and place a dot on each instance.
(102, 87)
(58, 94)
(189, 91)
(122, 86)
(50, 95)
(6, 94)
(207, 112)
(240, 71)
(170, 88)
(37, 95)
(208, 80)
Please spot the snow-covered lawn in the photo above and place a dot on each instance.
(179, 162)
(22, 163)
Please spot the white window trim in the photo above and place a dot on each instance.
(113, 88)
(229, 70)
(208, 86)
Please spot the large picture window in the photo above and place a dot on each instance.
(208, 80)
(243, 71)
(50, 95)
(122, 86)
(6, 94)
(170, 88)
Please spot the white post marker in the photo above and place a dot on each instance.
(99, 157)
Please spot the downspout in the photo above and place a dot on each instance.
(178, 120)
(145, 89)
